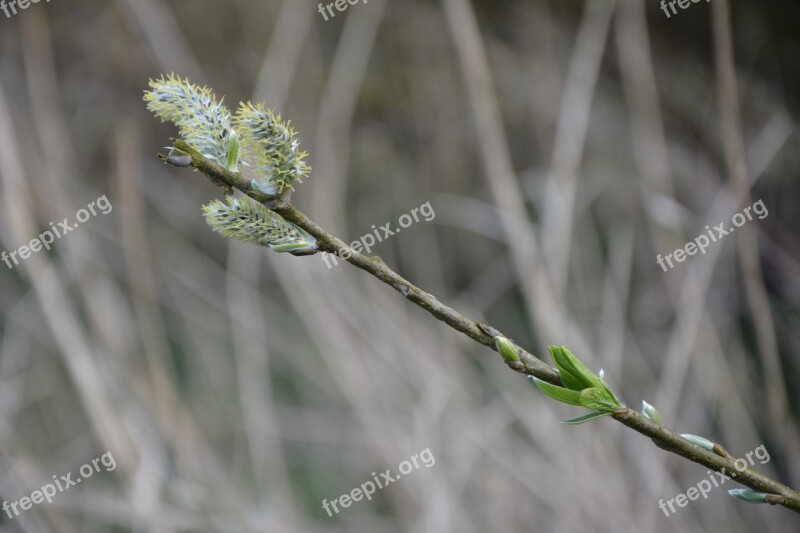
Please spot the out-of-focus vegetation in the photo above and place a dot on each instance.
(238, 388)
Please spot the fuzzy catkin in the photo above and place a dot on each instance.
(248, 221)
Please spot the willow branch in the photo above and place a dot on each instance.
(719, 460)
(185, 155)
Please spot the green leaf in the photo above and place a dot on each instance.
(650, 412)
(608, 389)
(506, 349)
(586, 418)
(561, 394)
(700, 441)
(749, 495)
(594, 398)
(574, 374)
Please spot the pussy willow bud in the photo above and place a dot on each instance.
(700, 441)
(749, 495)
(249, 221)
(203, 122)
(272, 147)
(650, 412)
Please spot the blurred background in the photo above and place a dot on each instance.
(562, 146)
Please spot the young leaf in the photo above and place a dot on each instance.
(586, 418)
(574, 374)
(608, 390)
(561, 394)
(599, 399)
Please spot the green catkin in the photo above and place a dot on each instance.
(203, 122)
(248, 221)
(256, 137)
(272, 147)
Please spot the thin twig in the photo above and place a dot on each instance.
(528, 364)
